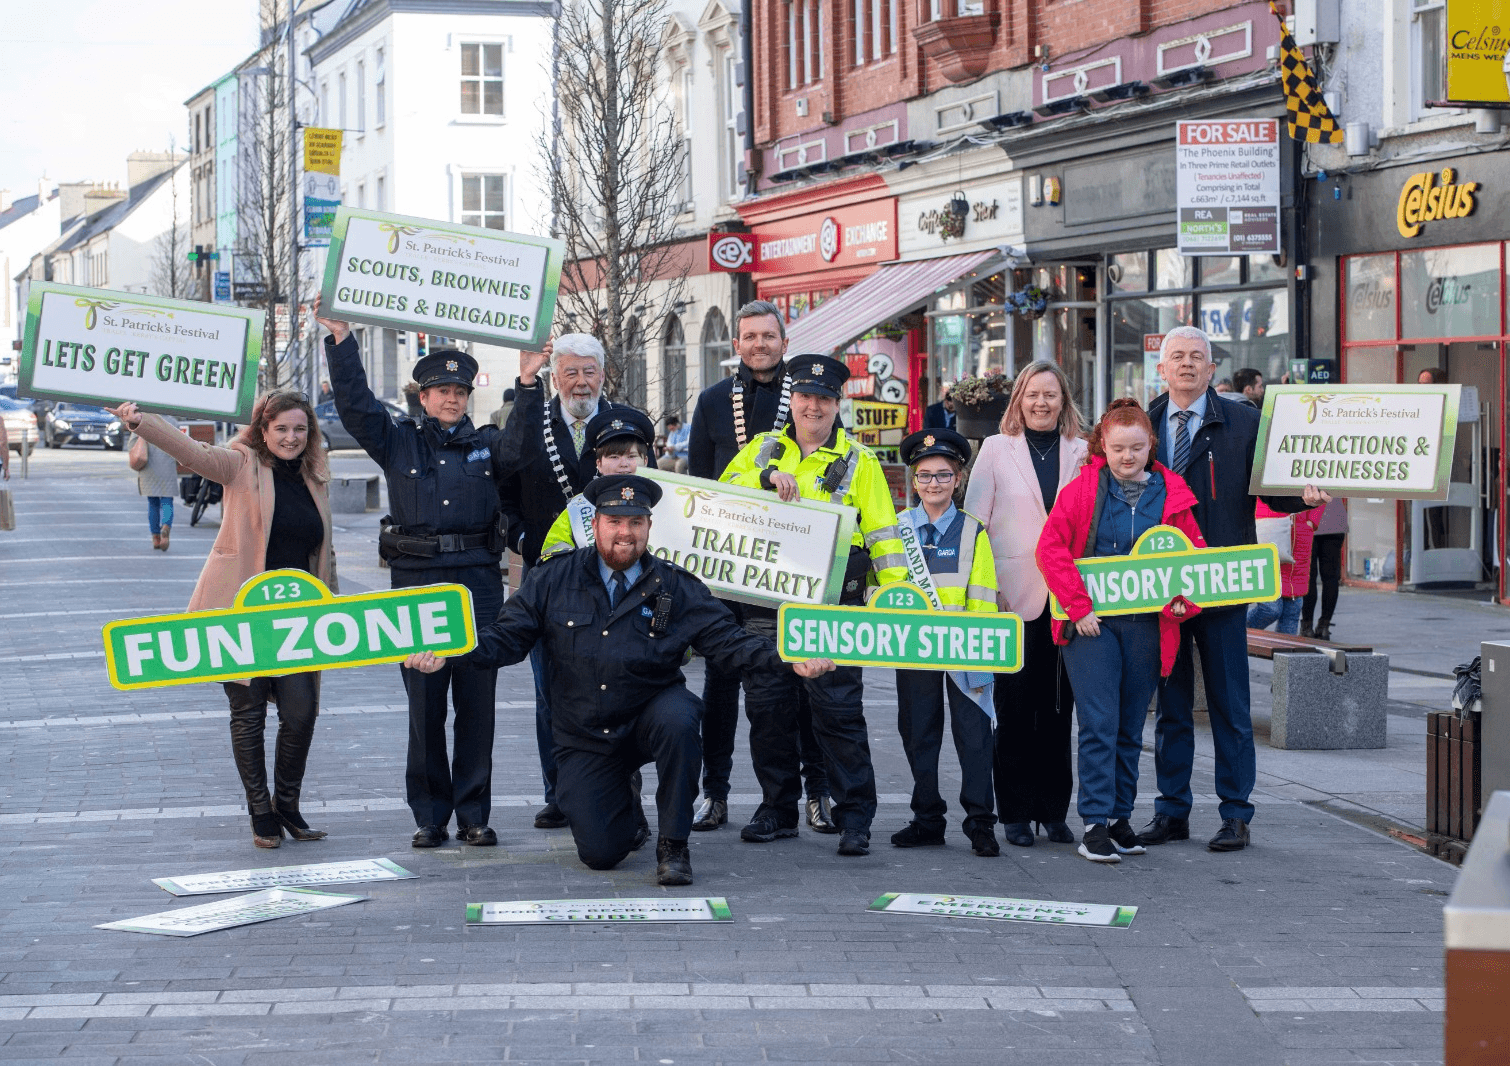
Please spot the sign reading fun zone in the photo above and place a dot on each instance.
(172, 356)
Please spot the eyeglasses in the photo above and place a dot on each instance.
(943, 477)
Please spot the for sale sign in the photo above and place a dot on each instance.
(1228, 186)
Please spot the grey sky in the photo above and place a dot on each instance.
(84, 82)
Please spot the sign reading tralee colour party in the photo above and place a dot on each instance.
(1164, 564)
(180, 357)
(439, 277)
(287, 622)
(1389, 441)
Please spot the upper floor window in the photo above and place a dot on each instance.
(1428, 19)
(482, 79)
(361, 96)
(948, 9)
(484, 200)
(877, 28)
(804, 38)
(733, 151)
(379, 89)
(341, 98)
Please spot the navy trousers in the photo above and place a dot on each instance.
(920, 721)
(1115, 676)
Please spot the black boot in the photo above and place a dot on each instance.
(673, 862)
(248, 717)
(642, 827)
(1018, 834)
(291, 752)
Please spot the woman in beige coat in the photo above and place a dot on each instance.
(276, 516)
(1016, 477)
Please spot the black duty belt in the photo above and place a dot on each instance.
(429, 547)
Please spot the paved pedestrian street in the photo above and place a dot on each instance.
(1322, 943)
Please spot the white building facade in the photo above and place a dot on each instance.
(27, 225)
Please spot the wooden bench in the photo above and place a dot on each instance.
(1263, 643)
(1336, 700)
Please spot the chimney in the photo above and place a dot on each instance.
(99, 197)
(143, 166)
(6, 200)
(46, 190)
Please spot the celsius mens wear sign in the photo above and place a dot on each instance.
(178, 357)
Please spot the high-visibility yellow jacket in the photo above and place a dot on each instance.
(859, 483)
(564, 535)
(961, 567)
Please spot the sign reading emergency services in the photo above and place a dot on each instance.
(1164, 564)
(1227, 186)
(1389, 441)
(747, 545)
(899, 630)
(287, 622)
(438, 277)
(261, 906)
(178, 357)
(1006, 909)
(319, 873)
(598, 911)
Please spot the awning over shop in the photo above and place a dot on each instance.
(868, 303)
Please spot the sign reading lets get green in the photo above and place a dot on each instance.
(900, 629)
(287, 622)
(1164, 564)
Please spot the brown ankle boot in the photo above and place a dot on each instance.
(157, 541)
(163, 545)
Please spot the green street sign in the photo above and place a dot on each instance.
(900, 629)
(1164, 564)
(288, 622)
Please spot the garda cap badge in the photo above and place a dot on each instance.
(928, 441)
(627, 492)
(452, 365)
(616, 424)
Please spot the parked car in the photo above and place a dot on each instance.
(80, 423)
(20, 423)
(335, 434)
(34, 405)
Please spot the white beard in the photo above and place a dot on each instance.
(585, 408)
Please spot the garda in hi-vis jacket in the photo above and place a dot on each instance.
(840, 470)
(571, 530)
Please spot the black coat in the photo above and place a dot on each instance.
(438, 482)
(937, 416)
(711, 444)
(606, 665)
(1221, 463)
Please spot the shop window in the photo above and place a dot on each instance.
(1171, 269)
(673, 368)
(1450, 292)
(1128, 272)
(716, 348)
(989, 292)
(1248, 329)
(1370, 307)
(1135, 325)
(1264, 268)
(1220, 270)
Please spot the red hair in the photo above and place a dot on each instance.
(1123, 412)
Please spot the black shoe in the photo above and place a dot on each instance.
(479, 836)
(267, 831)
(1233, 836)
(820, 815)
(550, 817)
(1306, 630)
(983, 843)
(1018, 834)
(1058, 832)
(1163, 829)
(1097, 845)
(915, 836)
(430, 836)
(1124, 839)
(1324, 629)
(854, 842)
(766, 827)
(714, 814)
(673, 862)
(641, 834)
(297, 827)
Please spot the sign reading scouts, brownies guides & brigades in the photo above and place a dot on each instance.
(176, 357)
(438, 277)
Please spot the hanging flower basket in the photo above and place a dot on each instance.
(979, 404)
(1030, 302)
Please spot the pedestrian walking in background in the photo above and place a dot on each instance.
(1294, 577)
(270, 461)
(1115, 663)
(1014, 482)
(1326, 571)
(156, 479)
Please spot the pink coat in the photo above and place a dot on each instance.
(1003, 493)
(240, 550)
(1295, 578)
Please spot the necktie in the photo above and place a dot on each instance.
(617, 589)
(579, 435)
(930, 535)
(1181, 442)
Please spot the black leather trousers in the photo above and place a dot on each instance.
(298, 700)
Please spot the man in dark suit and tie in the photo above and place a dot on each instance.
(940, 415)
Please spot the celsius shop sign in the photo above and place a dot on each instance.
(1429, 197)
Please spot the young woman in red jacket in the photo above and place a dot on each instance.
(1120, 493)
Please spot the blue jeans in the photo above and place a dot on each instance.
(1286, 610)
(1221, 635)
(159, 513)
(1114, 677)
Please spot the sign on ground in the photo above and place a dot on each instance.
(1006, 909)
(179, 357)
(1389, 441)
(594, 911)
(287, 622)
(747, 545)
(438, 277)
(318, 873)
(261, 906)
(898, 629)
(1164, 564)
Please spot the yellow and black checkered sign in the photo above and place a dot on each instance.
(1309, 117)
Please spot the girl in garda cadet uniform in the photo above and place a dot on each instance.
(276, 516)
(949, 557)
(1114, 663)
(620, 441)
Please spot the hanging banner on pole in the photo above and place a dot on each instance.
(1227, 186)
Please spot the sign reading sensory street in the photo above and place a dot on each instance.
(319, 873)
(261, 906)
(899, 629)
(438, 277)
(287, 622)
(593, 911)
(1164, 564)
(178, 357)
(747, 545)
(1006, 909)
(1390, 441)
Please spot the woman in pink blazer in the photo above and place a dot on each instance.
(276, 516)
(1014, 482)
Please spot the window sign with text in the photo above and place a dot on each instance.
(1450, 292)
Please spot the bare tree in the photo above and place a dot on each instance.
(615, 167)
(171, 274)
